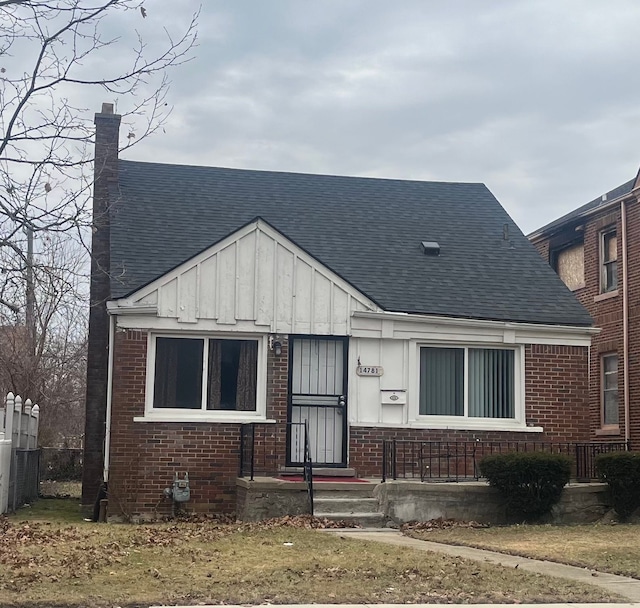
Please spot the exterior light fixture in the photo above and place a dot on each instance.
(277, 348)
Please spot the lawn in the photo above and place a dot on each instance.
(608, 548)
(49, 556)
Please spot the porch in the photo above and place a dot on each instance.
(418, 480)
(279, 450)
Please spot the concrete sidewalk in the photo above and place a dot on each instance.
(622, 585)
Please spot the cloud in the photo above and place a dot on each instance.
(535, 99)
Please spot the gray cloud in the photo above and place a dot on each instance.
(537, 99)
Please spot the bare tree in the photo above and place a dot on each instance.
(48, 366)
(52, 53)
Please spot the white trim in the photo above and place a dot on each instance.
(203, 327)
(449, 427)
(403, 326)
(202, 418)
(465, 422)
(124, 307)
(107, 433)
(203, 415)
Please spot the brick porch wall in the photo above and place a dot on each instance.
(145, 456)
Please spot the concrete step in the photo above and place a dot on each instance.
(343, 489)
(320, 471)
(366, 520)
(355, 506)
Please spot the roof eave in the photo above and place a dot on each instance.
(560, 328)
(542, 233)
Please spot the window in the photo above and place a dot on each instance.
(608, 261)
(568, 262)
(205, 374)
(610, 410)
(470, 382)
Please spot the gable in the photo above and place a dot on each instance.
(368, 231)
(255, 278)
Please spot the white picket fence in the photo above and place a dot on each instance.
(18, 451)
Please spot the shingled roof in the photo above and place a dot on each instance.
(368, 231)
(588, 207)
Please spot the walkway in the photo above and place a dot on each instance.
(622, 585)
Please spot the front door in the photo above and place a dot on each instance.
(318, 396)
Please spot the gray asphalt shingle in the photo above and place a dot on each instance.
(368, 231)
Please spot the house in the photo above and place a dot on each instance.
(595, 250)
(370, 308)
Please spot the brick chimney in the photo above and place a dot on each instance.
(105, 180)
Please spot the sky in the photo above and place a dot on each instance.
(537, 99)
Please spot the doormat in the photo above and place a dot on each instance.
(324, 478)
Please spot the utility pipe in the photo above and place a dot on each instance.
(107, 430)
(625, 320)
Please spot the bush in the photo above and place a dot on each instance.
(530, 482)
(621, 470)
(60, 464)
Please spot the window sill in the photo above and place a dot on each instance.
(606, 296)
(609, 430)
(208, 418)
(449, 426)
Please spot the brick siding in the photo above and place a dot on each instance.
(145, 455)
(608, 316)
(105, 176)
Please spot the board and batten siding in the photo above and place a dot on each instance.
(365, 392)
(255, 280)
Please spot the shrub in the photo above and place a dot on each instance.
(621, 470)
(530, 482)
(64, 464)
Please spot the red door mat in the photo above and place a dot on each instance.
(324, 478)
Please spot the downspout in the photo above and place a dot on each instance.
(107, 430)
(625, 321)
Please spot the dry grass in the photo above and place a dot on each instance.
(607, 548)
(60, 489)
(47, 561)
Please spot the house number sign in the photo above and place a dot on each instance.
(370, 370)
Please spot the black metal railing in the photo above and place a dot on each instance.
(308, 466)
(263, 451)
(459, 460)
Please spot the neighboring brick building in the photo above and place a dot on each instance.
(595, 250)
(368, 308)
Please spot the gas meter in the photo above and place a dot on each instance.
(180, 491)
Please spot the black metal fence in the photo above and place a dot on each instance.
(459, 460)
(25, 477)
(261, 449)
(264, 448)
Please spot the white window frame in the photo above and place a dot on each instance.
(611, 230)
(466, 422)
(152, 414)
